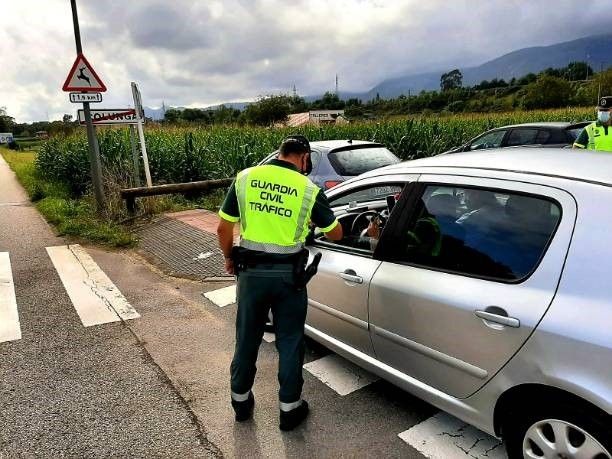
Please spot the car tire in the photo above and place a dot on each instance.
(580, 428)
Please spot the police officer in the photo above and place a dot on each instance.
(597, 135)
(274, 204)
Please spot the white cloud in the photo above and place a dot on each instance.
(189, 52)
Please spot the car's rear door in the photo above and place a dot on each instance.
(459, 291)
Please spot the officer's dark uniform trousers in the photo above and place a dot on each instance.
(260, 288)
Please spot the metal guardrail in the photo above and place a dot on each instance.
(130, 194)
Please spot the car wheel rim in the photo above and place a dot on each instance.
(555, 439)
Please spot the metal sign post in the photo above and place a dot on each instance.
(94, 149)
(135, 156)
(139, 122)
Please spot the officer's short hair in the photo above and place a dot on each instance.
(605, 103)
(294, 144)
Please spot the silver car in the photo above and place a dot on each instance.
(487, 293)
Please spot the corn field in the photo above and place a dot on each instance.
(187, 154)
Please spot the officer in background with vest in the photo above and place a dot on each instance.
(597, 135)
(274, 204)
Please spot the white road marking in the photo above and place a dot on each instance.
(445, 437)
(10, 329)
(223, 296)
(341, 375)
(269, 337)
(93, 294)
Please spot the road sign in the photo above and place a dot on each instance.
(6, 137)
(82, 77)
(80, 97)
(140, 119)
(137, 101)
(110, 116)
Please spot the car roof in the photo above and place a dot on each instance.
(588, 166)
(544, 124)
(335, 144)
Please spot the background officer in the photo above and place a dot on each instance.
(597, 135)
(274, 204)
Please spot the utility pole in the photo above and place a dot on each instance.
(94, 149)
(599, 90)
(336, 84)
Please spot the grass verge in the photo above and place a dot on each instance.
(71, 217)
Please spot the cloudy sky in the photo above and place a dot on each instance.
(203, 52)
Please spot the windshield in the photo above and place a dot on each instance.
(574, 133)
(358, 161)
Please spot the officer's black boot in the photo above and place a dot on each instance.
(289, 420)
(244, 410)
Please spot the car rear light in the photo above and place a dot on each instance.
(332, 183)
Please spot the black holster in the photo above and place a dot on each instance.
(302, 272)
(239, 257)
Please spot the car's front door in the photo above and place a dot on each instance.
(338, 294)
(473, 271)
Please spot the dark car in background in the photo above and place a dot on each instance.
(334, 161)
(549, 134)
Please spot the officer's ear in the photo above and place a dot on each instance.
(306, 164)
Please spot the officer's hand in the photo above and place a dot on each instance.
(229, 266)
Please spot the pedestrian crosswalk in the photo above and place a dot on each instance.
(10, 328)
(441, 436)
(94, 296)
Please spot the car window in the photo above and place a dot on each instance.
(315, 157)
(574, 133)
(360, 160)
(489, 140)
(522, 137)
(355, 210)
(545, 136)
(365, 195)
(485, 233)
(556, 136)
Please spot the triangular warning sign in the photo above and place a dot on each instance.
(82, 77)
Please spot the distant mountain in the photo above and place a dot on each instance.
(237, 105)
(158, 113)
(154, 113)
(595, 50)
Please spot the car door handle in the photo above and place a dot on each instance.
(351, 276)
(499, 316)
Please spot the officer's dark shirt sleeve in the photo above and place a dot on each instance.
(583, 139)
(229, 210)
(322, 215)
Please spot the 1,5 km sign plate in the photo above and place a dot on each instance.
(80, 97)
(110, 116)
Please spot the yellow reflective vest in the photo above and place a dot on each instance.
(275, 206)
(598, 139)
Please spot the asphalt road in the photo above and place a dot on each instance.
(71, 391)
(158, 385)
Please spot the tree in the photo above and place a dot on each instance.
(6, 122)
(547, 92)
(172, 115)
(67, 119)
(578, 71)
(529, 78)
(329, 101)
(451, 80)
(196, 115)
(268, 110)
